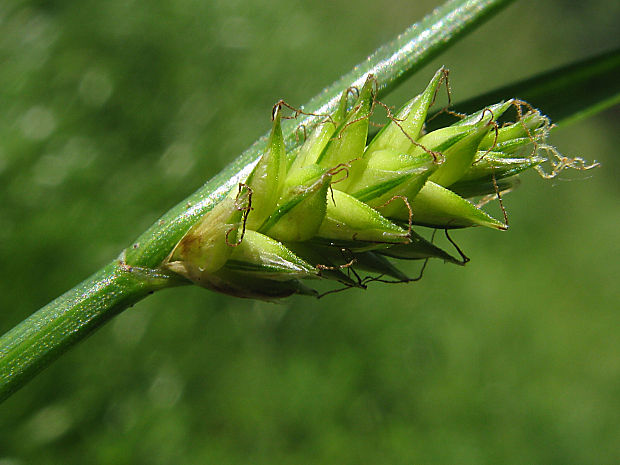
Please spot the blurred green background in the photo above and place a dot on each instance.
(112, 112)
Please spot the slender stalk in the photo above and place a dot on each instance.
(38, 340)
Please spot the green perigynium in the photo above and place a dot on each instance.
(337, 207)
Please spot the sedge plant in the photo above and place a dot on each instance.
(337, 208)
(336, 205)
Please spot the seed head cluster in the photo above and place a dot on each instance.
(341, 208)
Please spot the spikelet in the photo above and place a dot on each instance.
(338, 208)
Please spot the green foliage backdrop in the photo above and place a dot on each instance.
(114, 111)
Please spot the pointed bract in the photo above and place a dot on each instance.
(497, 110)
(349, 140)
(389, 173)
(250, 287)
(302, 206)
(208, 245)
(349, 219)
(459, 156)
(267, 179)
(498, 164)
(419, 249)
(265, 257)
(312, 148)
(331, 262)
(439, 207)
(479, 188)
(398, 134)
(371, 262)
(524, 129)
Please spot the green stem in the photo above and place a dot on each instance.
(38, 340)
